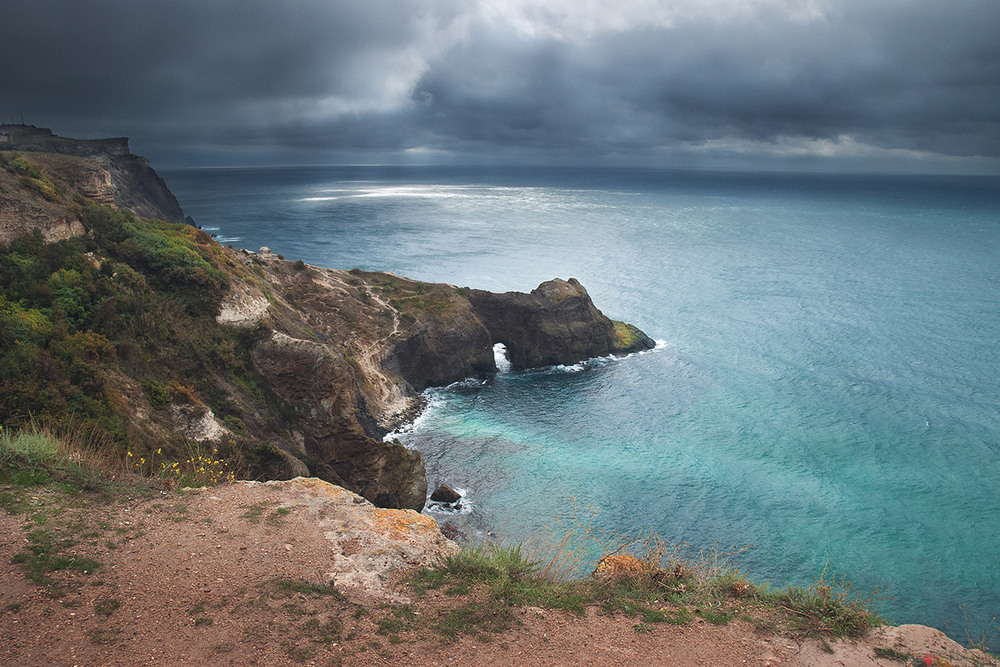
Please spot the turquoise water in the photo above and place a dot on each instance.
(826, 388)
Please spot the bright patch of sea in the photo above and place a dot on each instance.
(827, 386)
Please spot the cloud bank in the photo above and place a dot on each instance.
(683, 82)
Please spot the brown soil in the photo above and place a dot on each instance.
(220, 577)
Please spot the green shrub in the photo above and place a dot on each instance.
(830, 606)
(28, 455)
(174, 254)
(33, 179)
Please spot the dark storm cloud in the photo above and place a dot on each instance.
(232, 70)
(539, 79)
(924, 81)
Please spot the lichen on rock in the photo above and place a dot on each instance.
(368, 545)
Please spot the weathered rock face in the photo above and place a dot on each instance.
(441, 340)
(322, 390)
(368, 545)
(140, 189)
(556, 323)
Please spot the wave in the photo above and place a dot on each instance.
(463, 507)
(596, 362)
(432, 401)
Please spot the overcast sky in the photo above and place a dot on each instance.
(824, 84)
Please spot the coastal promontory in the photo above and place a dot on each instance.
(152, 337)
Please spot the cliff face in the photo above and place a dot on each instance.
(134, 184)
(141, 190)
(151, 332)
(556, 323)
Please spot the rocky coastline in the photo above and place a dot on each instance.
(298, 371)
(311, 367)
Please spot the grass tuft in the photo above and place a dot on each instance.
(830, 606)
(893, 654)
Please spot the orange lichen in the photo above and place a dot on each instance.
(402, 524)
(621, 565)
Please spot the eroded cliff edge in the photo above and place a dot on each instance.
(154, 336)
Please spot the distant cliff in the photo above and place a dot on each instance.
(134, 184)
(154, 338)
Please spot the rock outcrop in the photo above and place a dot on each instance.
(455, 329)
(368, 545)
(134, 185)
(350, 350)
(556, 323)
(445, 494)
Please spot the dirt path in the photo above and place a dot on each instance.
(237, 575)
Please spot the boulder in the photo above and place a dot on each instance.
(445, 494)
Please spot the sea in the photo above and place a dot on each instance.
(825, 387)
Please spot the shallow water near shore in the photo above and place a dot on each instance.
(826, 388)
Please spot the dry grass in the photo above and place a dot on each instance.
(649, 578)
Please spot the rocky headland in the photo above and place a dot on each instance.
(107, 172)
(300, 369)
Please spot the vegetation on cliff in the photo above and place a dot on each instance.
(101, 329)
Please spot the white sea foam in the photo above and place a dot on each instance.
(501, 358)
(572, 368)
(465, 506)
(433, 401)
(594, 362)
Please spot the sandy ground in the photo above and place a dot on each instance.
(235, 576)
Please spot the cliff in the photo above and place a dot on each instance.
(134, 184)
(156, 338)
(304, 572)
